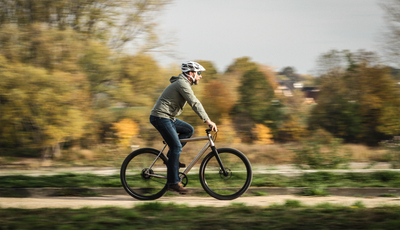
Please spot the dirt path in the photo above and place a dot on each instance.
(128, 202)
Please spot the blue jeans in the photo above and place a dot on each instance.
(169, 130)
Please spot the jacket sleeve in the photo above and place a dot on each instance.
(187, 93)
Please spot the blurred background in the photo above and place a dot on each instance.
(78, 78)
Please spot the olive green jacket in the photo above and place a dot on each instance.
(171, 102)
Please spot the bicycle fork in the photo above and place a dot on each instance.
(214, 150)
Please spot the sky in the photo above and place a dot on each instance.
(271, 32)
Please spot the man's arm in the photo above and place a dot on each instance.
(188, 94)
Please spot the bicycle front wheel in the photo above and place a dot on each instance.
(141, 180)
(226, 186)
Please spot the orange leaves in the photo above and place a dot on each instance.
(263, 134)
(125, 130)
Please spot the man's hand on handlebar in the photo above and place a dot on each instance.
(212, 125)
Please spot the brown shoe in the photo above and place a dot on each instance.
(178, 188)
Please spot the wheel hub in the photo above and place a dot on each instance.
(146, 173)
(228, 172)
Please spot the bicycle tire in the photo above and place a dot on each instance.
(137, 182)
(226, 187)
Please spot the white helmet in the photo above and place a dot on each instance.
(191, 66)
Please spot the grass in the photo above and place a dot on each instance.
(290, 215)
(315, 191)
(317, 180)
(389, 195)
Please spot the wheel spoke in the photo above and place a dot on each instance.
(231, 185)
(136, 178)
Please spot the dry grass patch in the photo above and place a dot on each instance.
(363, 153)
(259, 154)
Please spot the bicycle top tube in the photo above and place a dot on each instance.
(194, 139)
(197, 138)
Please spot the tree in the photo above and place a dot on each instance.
(117, 22)
(76, 79)
(391, 37)
(255, 95)
(211, 72)
(263, 134)
(291, 74)
(143, 74)
(125, 130)
(241, 65)
(336, 112)
(356, 102)
(39, 109)
(218, 101)
(41, 46)
(255, 103)
(296, 112)
(233, 76)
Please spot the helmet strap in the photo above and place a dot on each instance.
(191, 77)
(194, 82)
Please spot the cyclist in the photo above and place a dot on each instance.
(163, 117)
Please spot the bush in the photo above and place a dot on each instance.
(393, 155)
(293, 204)
(320, 152)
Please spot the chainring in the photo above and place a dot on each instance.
(184, 179)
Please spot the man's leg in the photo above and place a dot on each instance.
(167, 129)
(184, 129)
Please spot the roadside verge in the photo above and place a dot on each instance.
(54, 192)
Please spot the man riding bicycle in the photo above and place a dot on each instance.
(163, 117)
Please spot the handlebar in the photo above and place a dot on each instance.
(209, 130)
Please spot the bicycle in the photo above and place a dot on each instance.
(224, 173)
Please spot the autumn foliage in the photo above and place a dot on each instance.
(65, 81)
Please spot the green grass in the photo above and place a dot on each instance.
(315, 191)
(153, 215)
(312, 180)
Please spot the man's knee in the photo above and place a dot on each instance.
(176, 149)
(191, 131)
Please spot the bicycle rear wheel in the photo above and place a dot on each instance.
(139, 180)
(230, 186)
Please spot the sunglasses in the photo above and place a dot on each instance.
(199, 73)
